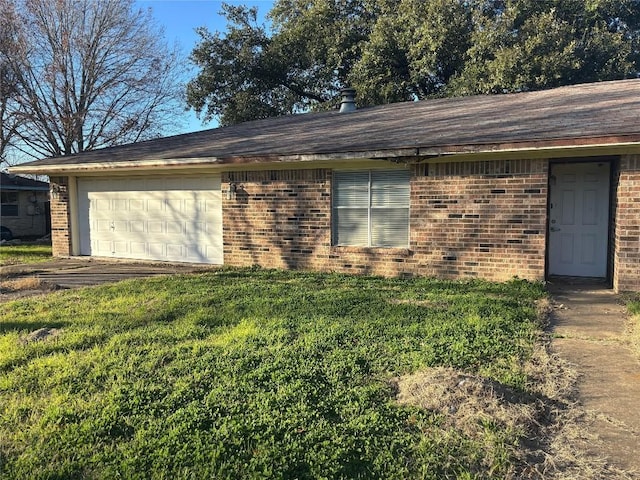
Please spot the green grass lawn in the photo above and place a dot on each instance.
(20, 254)
(255, 374)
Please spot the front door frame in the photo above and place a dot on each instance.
(613, 162)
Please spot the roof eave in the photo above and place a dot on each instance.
(610, 145)
(24, 189)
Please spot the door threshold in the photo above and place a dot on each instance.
(580, 281)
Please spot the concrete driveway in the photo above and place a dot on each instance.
(80, 272)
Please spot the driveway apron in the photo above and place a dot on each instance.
(79, 272)
(588, 325)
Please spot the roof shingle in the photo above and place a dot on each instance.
(606, 112)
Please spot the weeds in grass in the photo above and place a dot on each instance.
(563, 442)
(633, 305)
(259, 374)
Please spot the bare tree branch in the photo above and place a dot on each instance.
(90, 74)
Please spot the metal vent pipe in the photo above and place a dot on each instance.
(348, 102)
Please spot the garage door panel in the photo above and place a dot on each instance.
(100, 204)
(174, 227)
(120, 204)
(136, 205)
(103, 226)
(119, 226)
(137, 226)
(156, 250)
(120, 247)
(195, 228)
(103, 247)
(174, 204)
(155, 205)
(155, 218)
(175, 251)
(138, 249)
(155, 227)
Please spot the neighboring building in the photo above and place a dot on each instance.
(24, 206)
(530, 185)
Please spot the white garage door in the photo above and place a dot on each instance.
(176, 219)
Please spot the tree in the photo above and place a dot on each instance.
(398, 50)
(9, 118)
(88, 74)
(531, 44)
(248, 74)
(414, 49)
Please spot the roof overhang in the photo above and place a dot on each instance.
(578, 147)
(16, 188)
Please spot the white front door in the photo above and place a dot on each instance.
(177, 218)
(579, 219)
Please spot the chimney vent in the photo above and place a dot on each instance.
(348, 103)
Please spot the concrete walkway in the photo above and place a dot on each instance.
(588, 324)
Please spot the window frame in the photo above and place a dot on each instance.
(371, 207)
(10, 204)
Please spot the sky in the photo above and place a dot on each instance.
(180, 18)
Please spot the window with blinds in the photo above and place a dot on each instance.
(371, 208)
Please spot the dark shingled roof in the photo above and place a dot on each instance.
(15, 182)
(597, 113)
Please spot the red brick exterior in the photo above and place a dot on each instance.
(278, 219)
(483, 219)
(60, 232)
(626, 225)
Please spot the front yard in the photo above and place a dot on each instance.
(269, 374)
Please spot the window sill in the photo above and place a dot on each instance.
(397, 251)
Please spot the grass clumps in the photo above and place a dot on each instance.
(24, 284)
(633, 304)
(261, 374)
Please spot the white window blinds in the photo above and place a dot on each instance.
(371, 208)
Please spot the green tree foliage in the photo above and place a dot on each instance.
(536, 44)
(399, 50)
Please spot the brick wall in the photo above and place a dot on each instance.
(626, 224)
(484, 219)
(282, 219)
(277, 219)
(474, 219)
(60, 235)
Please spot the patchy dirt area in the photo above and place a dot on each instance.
(565, 437)
(24, 286)
(19, 281)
